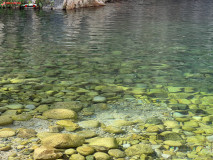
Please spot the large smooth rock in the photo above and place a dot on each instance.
(4, 120)
(46, 153)
(72, 4)
(139, 149)
(60, 114)
(62, 140)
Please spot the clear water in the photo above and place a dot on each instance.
(130, 43)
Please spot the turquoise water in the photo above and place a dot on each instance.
(144, 44)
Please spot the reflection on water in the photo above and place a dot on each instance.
(145, 43)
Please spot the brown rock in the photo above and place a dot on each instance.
(60, 114)
(26, 133)
(85, 150)
(4, 120)
(7, 132)
(62, 140)
(46, 153)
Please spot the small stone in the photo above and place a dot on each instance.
(77, 157)
(210, 139)
(153, 129)
(89, 124)
(113, 129)
(101, 156)
(173, 143)
(121, 123)
(116, 153)
(99, 99)
(60, 114)
(87, 134)
(85, 150)
(155, 121)
(14, 106)
(5, 120)
(22, 117)
(42, 108)
(197, 140)
(73, 105)
(70, 151)
(107, 142)
(30, 106)
(6, 148)
(7, 132)
(68, 124)
(90, 157)
(55, 129)
(171, 124)
(46, 153)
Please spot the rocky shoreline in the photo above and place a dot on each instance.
(121, 130)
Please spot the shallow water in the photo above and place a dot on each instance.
(145, 44)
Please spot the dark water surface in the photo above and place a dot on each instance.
(145, 44)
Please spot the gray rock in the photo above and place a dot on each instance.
(99, 99)
(30, 106)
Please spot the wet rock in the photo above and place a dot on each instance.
(30, 106)
(22, 117)
(191, 123)
(207, 100)
(68, 124)
(60, 114)
(153, 129)
(99, 99)
(87, 134)
(55, 129)
(139, 149)
(26, 133)
(5, 120)
(73, 105)
(171, 136)
(70, 151)
(113, 129)
(197, 140)
(173, 143)
(85, 150)
(174, 89)
(14, 106)
(62, 140)
(7, 132)
(6, 148)
(107, 142)
(121, 123)
(171, 124)
(77, 157)
(42, 108)
(46, 153)
(101, 156)
(89, 124)
(116, 153)
(155, 121)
